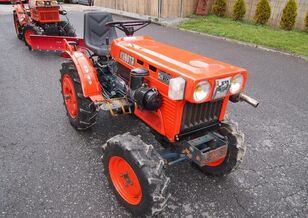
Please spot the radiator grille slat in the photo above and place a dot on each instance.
(48, 16)
(198, 115)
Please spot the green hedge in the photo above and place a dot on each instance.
(263, 12)
(306, 22)
(220, 7)
(289, 14)
(239, 10)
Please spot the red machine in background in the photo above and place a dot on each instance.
(9, 1)
(41, 17)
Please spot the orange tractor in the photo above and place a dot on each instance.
(41, 17)
(182, 97)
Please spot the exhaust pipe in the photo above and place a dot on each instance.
(249, 100)
(245, 98)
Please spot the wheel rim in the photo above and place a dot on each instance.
(216, 162)
(69, 95)
(125, 180)
(28, 33)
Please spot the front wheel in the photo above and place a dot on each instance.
(235, 153)
(81, 111)
(135, 173)
(29, 30)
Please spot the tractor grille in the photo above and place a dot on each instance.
(50, 16)
(199, 115)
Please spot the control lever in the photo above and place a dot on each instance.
(108, 45)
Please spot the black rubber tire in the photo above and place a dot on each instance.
(18, 31)
(36, 29)
(149, 168)
(66, 29)
(90, 2)
(86, 112)
(235, 154)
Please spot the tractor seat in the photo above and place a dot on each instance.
(95, 31)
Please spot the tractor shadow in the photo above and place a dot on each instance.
(197, 195)
(193, 193)
(108, 126)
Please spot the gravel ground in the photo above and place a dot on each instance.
(47, 169)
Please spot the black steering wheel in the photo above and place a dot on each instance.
(128, 27)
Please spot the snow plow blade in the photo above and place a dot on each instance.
(53, 43)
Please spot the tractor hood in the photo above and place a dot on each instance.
(144, 52)
(174, 60)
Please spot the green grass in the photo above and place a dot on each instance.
(290, 41)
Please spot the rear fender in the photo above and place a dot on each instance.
(22, 15)
(87, 73)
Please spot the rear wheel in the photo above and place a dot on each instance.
(235, 154)
(29, 30)
(81, 111)
(17, 25)
(66, 29)
(135, 173)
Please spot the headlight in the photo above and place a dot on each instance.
(53, 3)
(176, 88)
(236, 83)
(40, 3)
(202, 91)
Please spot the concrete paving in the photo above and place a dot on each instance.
(47, 169)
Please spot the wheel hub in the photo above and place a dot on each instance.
(125, 180)
(69, 95)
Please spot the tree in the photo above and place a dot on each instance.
(306, 22)
(263, 12)
(220, 7)
(289, 14)
(239, 10)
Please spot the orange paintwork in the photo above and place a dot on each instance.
(177, 63)
(27, 34)
(87, 73)
(54, 43)
(217, 162)
(173, 61)
(45, 14)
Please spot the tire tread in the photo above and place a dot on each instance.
(87, 113)
(151, 164)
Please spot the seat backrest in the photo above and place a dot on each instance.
(95, 31)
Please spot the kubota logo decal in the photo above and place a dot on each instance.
(127, 58)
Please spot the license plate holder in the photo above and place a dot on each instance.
(208, 148)
(222, 87)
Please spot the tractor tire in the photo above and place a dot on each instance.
(80, 110)
(66, 29)
(17, 25)
(235, 154)
(135, 173)
(31, 29)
